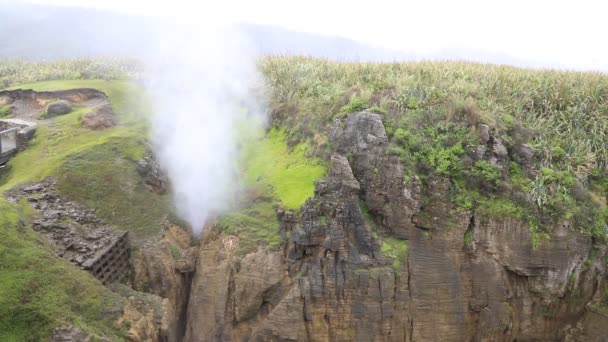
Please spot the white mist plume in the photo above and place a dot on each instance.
(202, 81)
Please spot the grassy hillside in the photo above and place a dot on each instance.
(288, 174)
(96, 168)
(39, 291)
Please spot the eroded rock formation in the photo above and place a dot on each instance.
(154, 178)
(465, 276)
(331, 283)
(99, 118)
(165, 268)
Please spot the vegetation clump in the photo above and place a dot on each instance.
(395, 249)
(356, 104)
(468, 238)
(6, 111)
(367, 215)
(257, 225)
(288, 174)
(486, 170)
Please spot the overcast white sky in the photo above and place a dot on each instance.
(555, 33)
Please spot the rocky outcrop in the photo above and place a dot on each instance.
(363, 140)
(466, 276)
(231, 296)
(165, 268)
(154, 178)
(346, 288)
(99, 118)
(74, 334)
(57, 108)
(75, 232)
(143, 316)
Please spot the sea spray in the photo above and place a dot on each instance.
(203, 82)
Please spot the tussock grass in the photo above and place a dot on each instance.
(565, 109)
(16, 71)
(431, 113)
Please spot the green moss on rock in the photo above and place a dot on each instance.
(395, 249)
(289, 174)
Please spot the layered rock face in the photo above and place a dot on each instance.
(164, 268)
(330, 282)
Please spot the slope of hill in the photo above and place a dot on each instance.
(423, 201)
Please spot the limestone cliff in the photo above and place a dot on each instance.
(466, 276)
